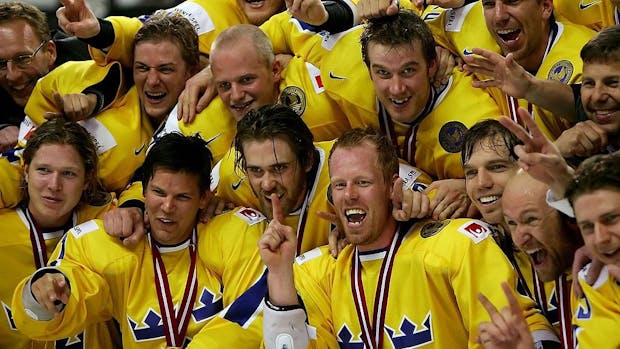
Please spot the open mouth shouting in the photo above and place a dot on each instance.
(509, 37)
(355, 216)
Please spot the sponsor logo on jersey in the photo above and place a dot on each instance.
(432, 228)
(467, 51)
(475, 230)
(139, 150)
(451, 136)
(584, 309)
(336, 77)
(584, 6)
(250, 215)
(561, 71)
(295, 98)
(236, 185)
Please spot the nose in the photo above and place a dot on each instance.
(13, 72)
(500, 12)
(350, 193)
(268, 182)
(152, 77)
(601, 235)
(236, 93)
(520, 235)
(167, 205)
(599, 93)
(484, 179)
(55, 182)
(397, 85)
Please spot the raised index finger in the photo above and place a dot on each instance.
(276, 208)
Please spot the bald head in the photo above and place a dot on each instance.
(244, 35)
(521, 187)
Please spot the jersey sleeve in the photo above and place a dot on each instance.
(125, 29)
(90, 300)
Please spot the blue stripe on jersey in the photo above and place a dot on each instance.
(245, 307)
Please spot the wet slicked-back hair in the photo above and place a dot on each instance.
(604, 47)
(387, 156)
(490, 130)
(403, 28)
(595, 173)
(260, 41)
(175, 28)
(15, 10)
(61, 132)
(178, 153)
(272, 121)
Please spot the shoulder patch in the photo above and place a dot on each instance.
(315, 78)
(80, 230)
(456, 17)
(561, 71)
(26, 128)
(451, 136)
(295, 98)
(432, 228)
(475, 230)
(250, 215)
(196, 15)
(308, 256)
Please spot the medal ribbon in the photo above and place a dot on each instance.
(372, 333)
(37, 240)
(409, 146)
(175, 325)
(562, 291)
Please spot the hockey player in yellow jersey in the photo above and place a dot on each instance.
(376, 269)
(393, 91)
(160, 291)
(550, 239)
(529, 32)
(60, 165)
(489, 164)
(124, 122)
(594, 194)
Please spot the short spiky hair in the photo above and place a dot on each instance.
(14, 10)
(403, 28)
(173, 27)
(604, 47)
(595, 173)
(387, 156)
(179, 153)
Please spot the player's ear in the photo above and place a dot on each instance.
(330, 198)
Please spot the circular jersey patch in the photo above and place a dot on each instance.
(295, 98)
(432, 228)
(451, 136)
(561, 71)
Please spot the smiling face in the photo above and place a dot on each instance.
(243, 80)
(272, 167)
(56, 179)
(486, 173)
(19, 38)
(361, 196)
(172, 201)
(520, 27)
(160, 73)
(600, 95)
(258, 11)
(536, 228)
(598, 217)
(401, 77)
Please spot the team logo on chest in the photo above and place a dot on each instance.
(295, 98)
(151, 327)
(561, 71)
(451, 136)
(408, 335)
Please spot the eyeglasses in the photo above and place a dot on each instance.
(21, 61)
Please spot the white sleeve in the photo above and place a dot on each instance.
(284, 329)
(561, 205)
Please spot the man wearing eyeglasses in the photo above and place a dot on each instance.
(27, 52)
